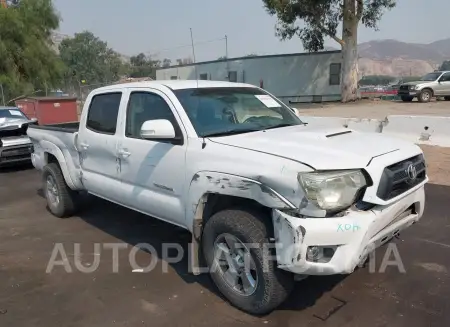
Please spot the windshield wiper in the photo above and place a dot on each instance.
(233, 132)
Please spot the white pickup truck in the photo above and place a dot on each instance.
(264, 195)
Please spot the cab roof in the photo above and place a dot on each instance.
(176, 84)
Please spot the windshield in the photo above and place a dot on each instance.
(11, 113)
(431, 77)
(233, 110)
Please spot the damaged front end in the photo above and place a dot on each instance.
(15, 145)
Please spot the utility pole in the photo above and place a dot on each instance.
(193, 53)
(226, 46)
(226, 57)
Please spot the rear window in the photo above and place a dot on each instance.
(103, 112)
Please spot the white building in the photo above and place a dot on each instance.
(297, 77)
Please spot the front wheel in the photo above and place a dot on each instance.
(447, 98)
(240, 258)
(425, 96)
(60, 198)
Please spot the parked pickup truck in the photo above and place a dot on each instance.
(436, 84)
(263, 194)
(15, 146)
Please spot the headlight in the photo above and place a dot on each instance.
(332, 190)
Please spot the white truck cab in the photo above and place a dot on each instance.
(264, 195)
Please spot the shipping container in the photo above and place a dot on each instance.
(49, 110)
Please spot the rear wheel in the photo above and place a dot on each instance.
(447, 98)
(407, 99)
(425, 95)
(60, 198)
(235, 244)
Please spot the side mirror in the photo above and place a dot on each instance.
(295, 111)
(157, 129)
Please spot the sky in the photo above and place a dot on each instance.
(162, 28)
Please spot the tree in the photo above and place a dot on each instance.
(166, 63)
(376, 80)
(185, 61)
(445, 65)
(90, 59)
(27, 62)
(321, 19)
(143, 66)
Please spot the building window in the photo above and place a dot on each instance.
(204, 77)
(173, 77)
(335, 74)
(232, 76)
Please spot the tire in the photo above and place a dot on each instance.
(447, 98)
(65, 205)
(425, 95)
(407, 99)
(272, 285)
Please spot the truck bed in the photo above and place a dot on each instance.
(71, 127)
(58, 140)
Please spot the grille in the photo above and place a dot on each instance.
(404, 87)
(395, 179)
(16, 154)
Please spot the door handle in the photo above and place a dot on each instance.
(84, 145)
(124, 154)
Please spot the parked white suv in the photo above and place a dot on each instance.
(236, 167)
(436, 84)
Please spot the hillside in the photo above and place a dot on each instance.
(392, 49)
(396, 58)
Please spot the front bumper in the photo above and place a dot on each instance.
(352, 237)
(409, 93)
(15, 154)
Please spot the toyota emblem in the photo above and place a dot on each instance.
(411, 172)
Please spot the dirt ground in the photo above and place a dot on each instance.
(375, 109)
(438, 164)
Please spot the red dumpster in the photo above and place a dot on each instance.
(49, 110)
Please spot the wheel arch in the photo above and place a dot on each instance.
(210, 192)
(428, 88)
(54, 154)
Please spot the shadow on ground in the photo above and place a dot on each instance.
(16, 168)
(134, 228)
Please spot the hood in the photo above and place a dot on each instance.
(414, 83)
(321, 149)
(12, 123)
(12, 126)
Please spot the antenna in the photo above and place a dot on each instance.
(193, 53)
